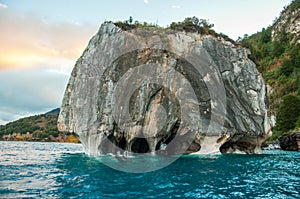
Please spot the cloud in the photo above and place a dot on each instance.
(146, 1)
(31, 91)
(175, 7)
(28, 40)
(3, 6)
(36, 59)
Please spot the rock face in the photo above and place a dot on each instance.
(290, 141)
(288, 21)
(151, 89)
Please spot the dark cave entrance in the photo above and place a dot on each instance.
(241, 145)
(140, 145)
(123, 143)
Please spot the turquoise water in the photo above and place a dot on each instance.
(57, 170)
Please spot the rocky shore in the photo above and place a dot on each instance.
(29, 137)
(290, 141)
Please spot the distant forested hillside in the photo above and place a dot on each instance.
(35, 128)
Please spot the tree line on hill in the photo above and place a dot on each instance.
(35, 128)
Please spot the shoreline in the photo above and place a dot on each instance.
(70, 138)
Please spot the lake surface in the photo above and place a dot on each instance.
(59, 170)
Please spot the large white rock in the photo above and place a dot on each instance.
(149, 89)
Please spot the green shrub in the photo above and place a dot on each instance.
(275, 134)
(287, 67)
(288, 113)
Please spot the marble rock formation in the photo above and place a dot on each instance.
(147, 90)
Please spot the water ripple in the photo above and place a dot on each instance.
(53, 170)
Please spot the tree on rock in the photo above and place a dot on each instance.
(288, 113)
(130, 20)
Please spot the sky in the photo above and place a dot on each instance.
(40, 41)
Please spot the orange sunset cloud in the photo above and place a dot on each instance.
(26, 41)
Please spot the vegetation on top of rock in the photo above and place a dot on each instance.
(193, 24)
(294, 5)
(130, 24)
(189, 24)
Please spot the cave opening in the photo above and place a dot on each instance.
(122, 143)
(140, 145)
(239, 145)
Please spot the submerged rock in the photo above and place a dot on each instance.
(290, 141)
(151, 89)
